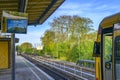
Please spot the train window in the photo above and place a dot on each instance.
(107, 47)
(117, 58)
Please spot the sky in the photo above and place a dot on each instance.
(96, 10)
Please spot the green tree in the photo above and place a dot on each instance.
(26, 47)
(70, 38)
(48, 42)
(18, 48)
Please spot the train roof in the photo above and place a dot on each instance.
(110, 20)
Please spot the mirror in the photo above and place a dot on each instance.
(96, 50)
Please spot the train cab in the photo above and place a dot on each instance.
(107, 49)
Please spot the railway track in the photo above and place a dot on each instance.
(60, 72)
(51, 71)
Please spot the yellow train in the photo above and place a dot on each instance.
(107, 49)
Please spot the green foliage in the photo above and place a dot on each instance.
(70, 38)
(26, 48)
(18, 48)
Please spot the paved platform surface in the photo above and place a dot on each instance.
(25, 70)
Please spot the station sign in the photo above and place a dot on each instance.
(14, 22)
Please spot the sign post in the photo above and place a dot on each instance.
(13, 54)
(14, 22)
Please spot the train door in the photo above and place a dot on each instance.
(106, 56)
(116, 56)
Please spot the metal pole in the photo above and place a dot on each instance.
(13, 55)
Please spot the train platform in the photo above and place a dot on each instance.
(25, 70)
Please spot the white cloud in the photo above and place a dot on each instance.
(72, 9)
(102, 7)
